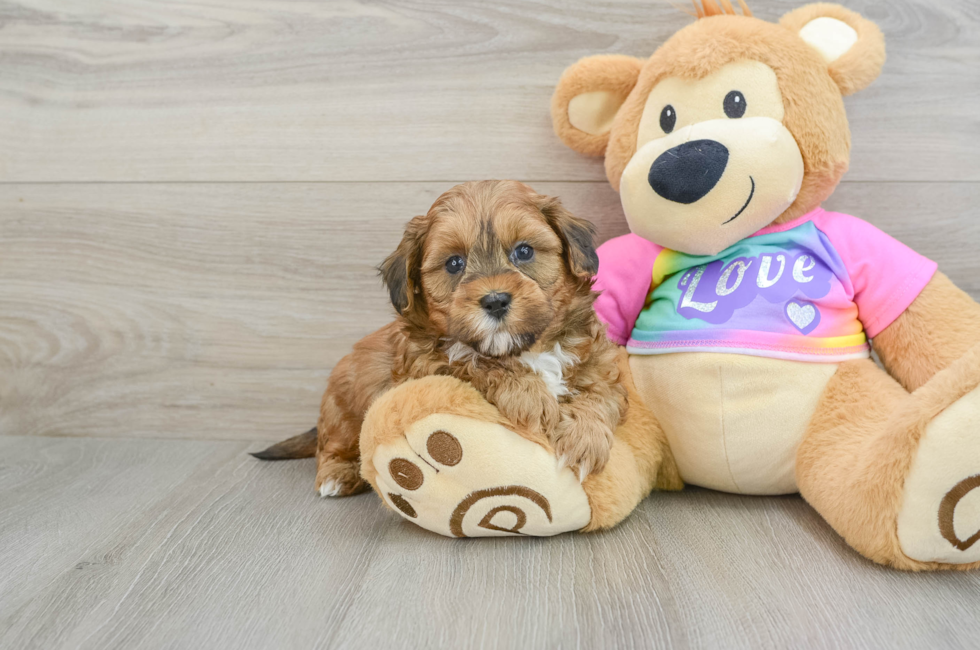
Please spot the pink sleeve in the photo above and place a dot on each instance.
(623, 282)
(887, 276)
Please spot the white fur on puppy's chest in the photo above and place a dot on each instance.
(551, 366)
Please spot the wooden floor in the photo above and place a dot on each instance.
(193, 196)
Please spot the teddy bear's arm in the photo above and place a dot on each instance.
(623, 282)
(938, 328)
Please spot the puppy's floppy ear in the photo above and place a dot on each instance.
(587, 98)
(402, 270)
(853, 47)
(577, 236)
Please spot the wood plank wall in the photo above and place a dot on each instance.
(193, 195)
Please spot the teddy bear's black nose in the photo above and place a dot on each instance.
(687, 172)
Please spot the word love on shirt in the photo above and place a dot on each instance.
(712, 292)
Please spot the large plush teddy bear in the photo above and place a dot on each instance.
(747, 311)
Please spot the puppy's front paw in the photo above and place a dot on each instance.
(529, 409)
(582, 444)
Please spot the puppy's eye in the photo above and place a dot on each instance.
(734, 104)
(455, 264)
(668, 118)
(523, 253)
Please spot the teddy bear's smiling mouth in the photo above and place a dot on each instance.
(747, 201)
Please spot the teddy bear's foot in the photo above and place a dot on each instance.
(463, 477)
(939, 520)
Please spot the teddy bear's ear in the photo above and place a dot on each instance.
(587, 98)
(852, 46)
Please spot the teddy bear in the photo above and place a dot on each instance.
(746, 312)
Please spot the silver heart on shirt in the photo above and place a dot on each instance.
(803, 315)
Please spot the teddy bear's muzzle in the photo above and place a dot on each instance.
(709, 184)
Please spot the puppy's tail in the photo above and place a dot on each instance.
(301, 446)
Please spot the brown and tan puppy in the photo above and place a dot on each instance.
(493, 286)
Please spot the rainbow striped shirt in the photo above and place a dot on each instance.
(814, 289)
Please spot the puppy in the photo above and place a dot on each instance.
(492, 286)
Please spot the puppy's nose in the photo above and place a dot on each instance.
(687, 172)
(496, 304)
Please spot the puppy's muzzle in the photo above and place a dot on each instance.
(687, 172)
(496, 304)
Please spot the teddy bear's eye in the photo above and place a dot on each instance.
(668, 118)
(734, 104)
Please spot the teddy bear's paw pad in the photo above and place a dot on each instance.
(461, 477)
(940, 516)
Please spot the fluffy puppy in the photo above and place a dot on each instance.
(493, 286)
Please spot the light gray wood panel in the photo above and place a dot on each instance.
(217, 310)
(64, 501)
(402, 90)
(221, 551)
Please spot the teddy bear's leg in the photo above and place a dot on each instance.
(445, 459)
(640, 461)
(895, 473)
